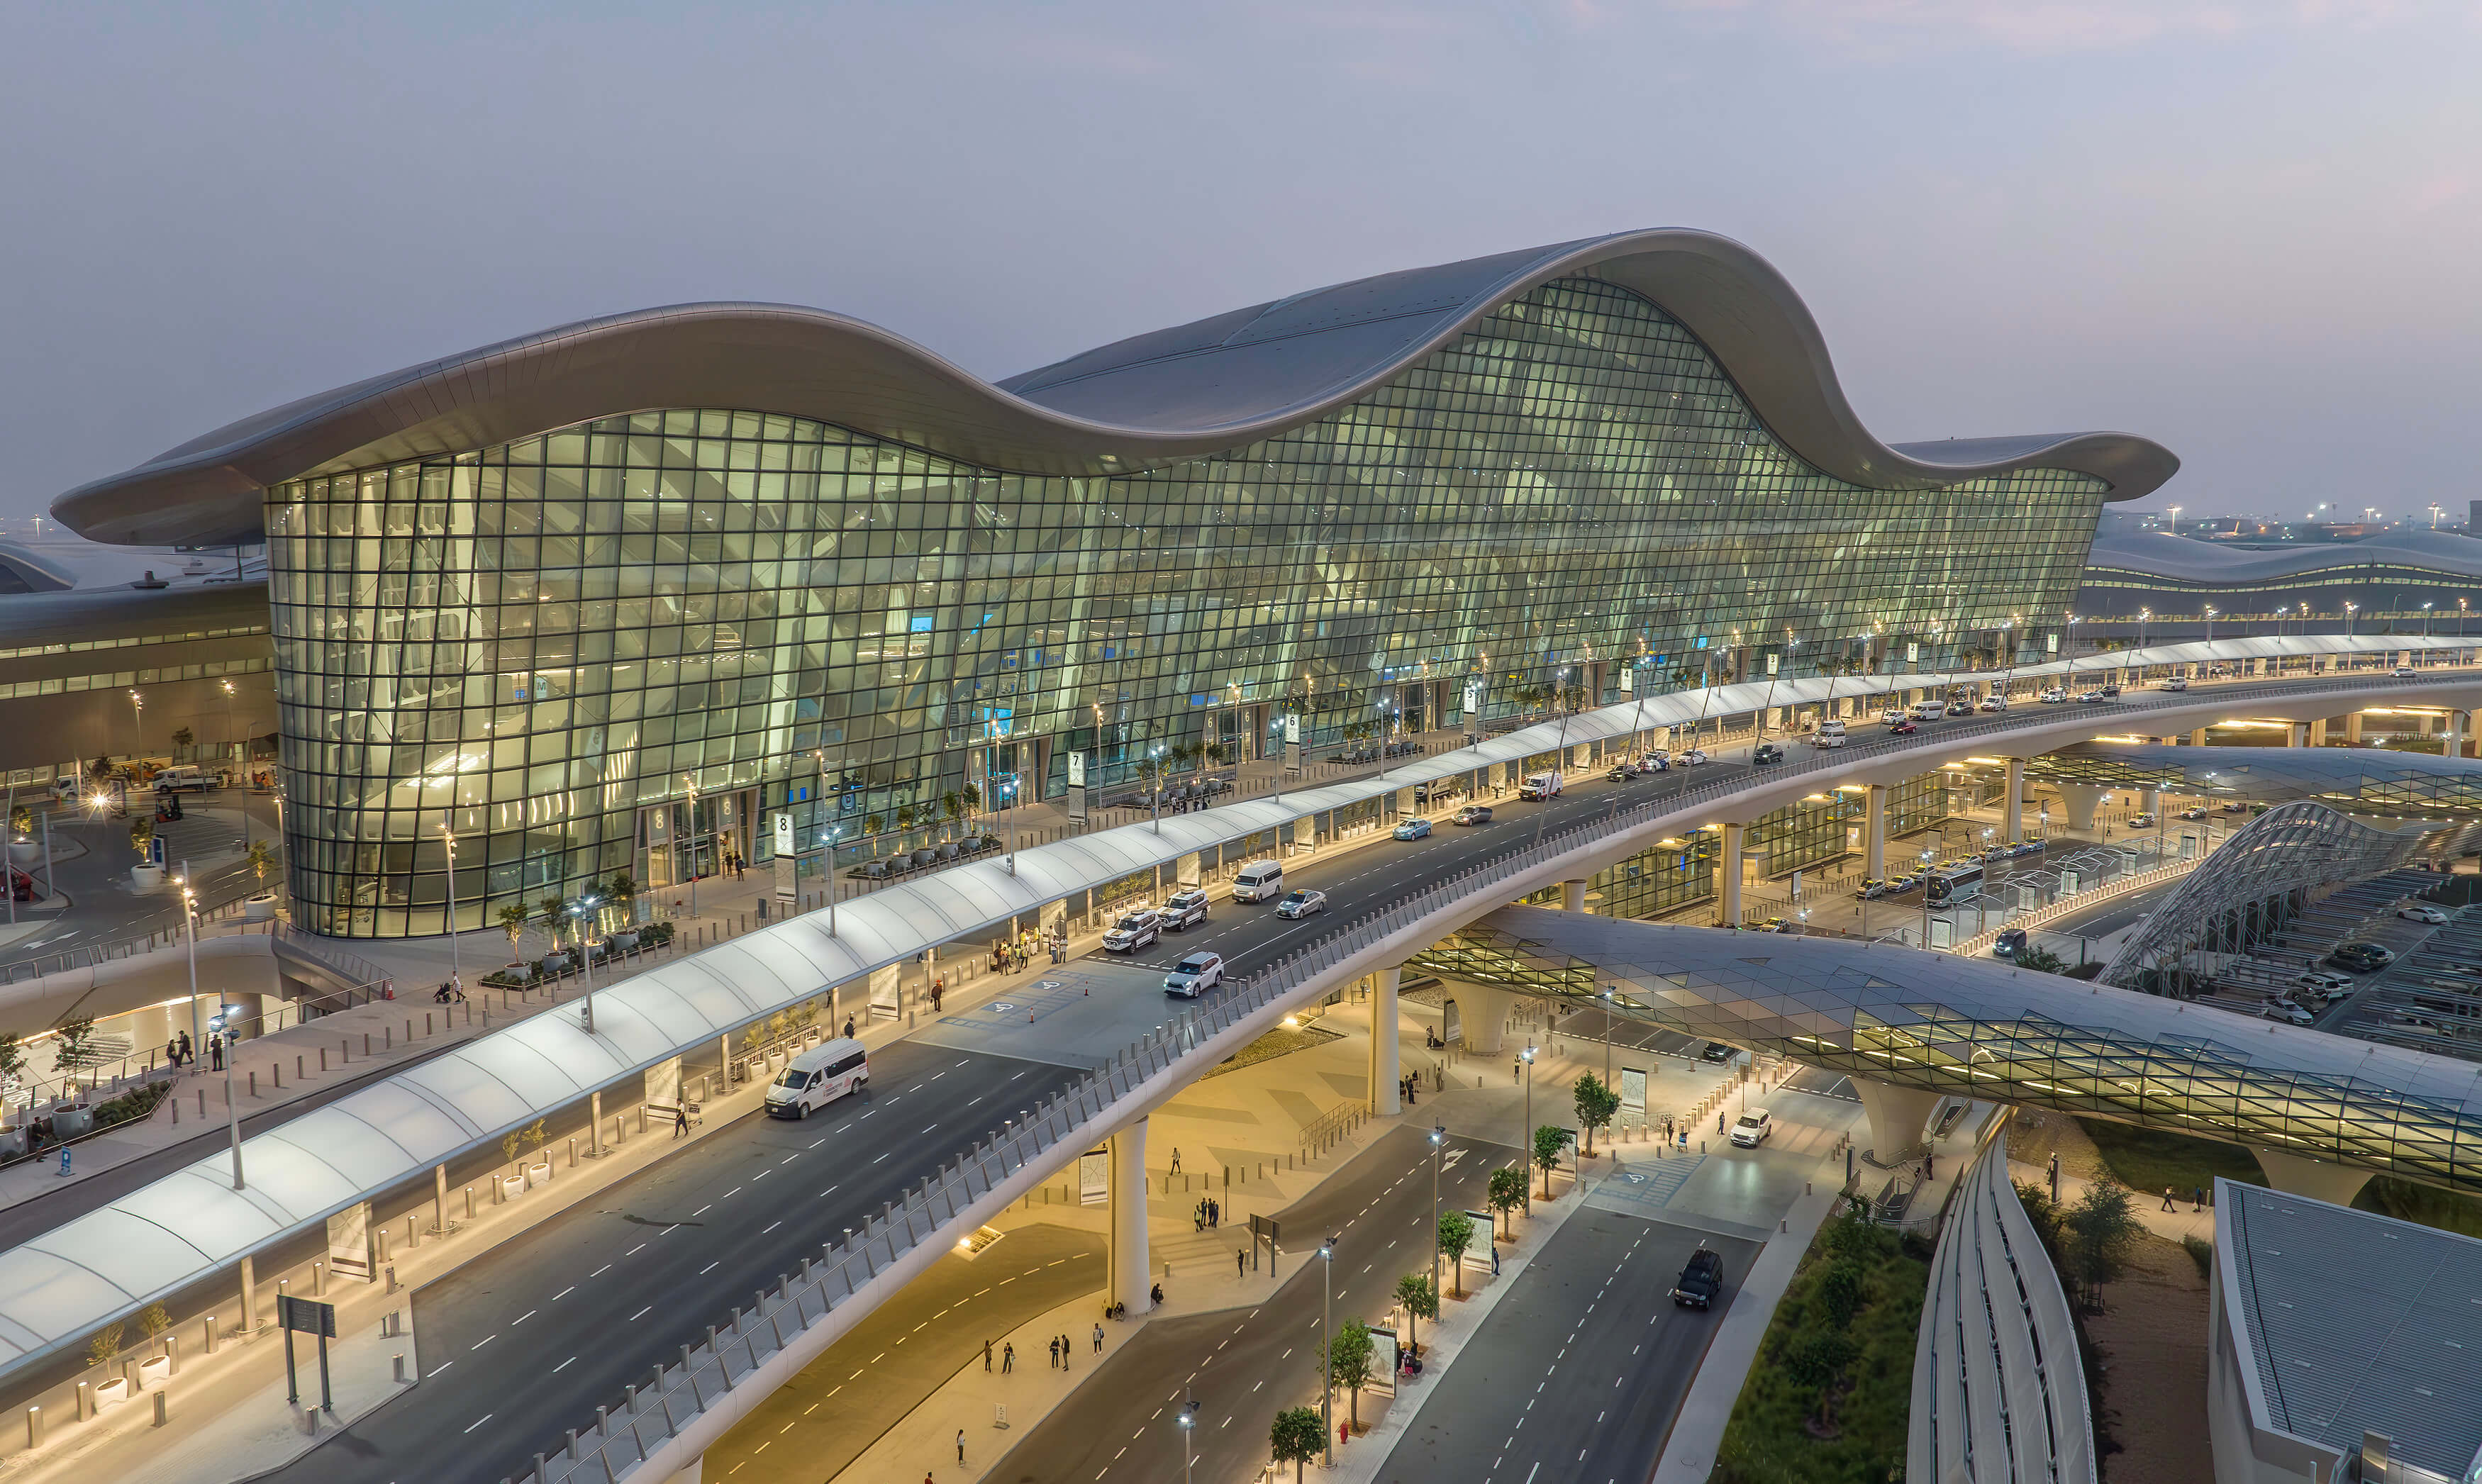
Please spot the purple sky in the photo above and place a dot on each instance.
(2248, 231)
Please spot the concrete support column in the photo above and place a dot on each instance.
(2296, 733)
(2451, 735)
(2197, 738)
(1874, 833)
(1897, 1115)
(2353, 727)
(1129, 1265)
(2320, 1181)
(1482, 1013)
(2151, 800)
(1729, 864)
(1572, 896)
(2318, 733)
(2015, 805)
(2081, 799)
(1384, 1064)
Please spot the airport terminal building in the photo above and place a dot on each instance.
(602, 599)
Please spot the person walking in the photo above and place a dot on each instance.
(1175, 1159)
(1098, 1338)
(172, 1054)
(1241, 1261)
(187, 1056)
(216, 1052)
(2197, 1197)
(1008, 1358)
(987, 1357)
(960, 1444)
(1064, 1352)
(848, 1027)
(2167, 1197)
(680, 1120)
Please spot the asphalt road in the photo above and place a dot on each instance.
(1245, 1365)
(1578, 1373)
(530, 1338)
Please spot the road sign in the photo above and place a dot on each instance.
(309, 1316)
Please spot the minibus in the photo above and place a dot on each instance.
(1260, 881)
(817, 1077)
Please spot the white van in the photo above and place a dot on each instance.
(1260, 881)
(188, 778)
(817, 1077)
(1830, 734)
(1928, 710)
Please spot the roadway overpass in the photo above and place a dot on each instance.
(183, 1231)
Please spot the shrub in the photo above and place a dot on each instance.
(2200, 1252)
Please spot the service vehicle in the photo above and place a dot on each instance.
(1182, 909)
(1926, 710)
(1701, 1281)
(2141, 820)
(1301, 904)
(1471, 814)
(1540, 788)
(1995, 701)
(186, 777)
(1751, 1127)
(1764, 753)
(2054, 696)
(1830, 734)
(1412, 829)
(1133, 932)
(1690, 756)
(817, 1077)
(2176, 683)
(1195, 975)
(1259, 881)
(1872, 888)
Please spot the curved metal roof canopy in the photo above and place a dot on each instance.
(1200, 389)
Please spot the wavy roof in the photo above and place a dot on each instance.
(1197, 388)
(2450, 554)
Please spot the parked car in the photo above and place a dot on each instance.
(1715, 1051)
(1301, 904)
(2194, 811)
(2418, 912)
(2275, 1008)
(1471, 814)
(1872, 888)
(2360, 958)
(1776, 925)
(1701, 1281)
(1195, 975)
(1766, 752)
(1412, 829)
(2091, 698)
(1181, 910)
(1133, 932)
(1892, 715)
(1751, 1127)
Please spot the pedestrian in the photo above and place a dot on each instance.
(987, 1357)
(1215, 1214)
(680, 1120)
(1064, 1352)
(1175, 1159)
(1494, 1259)
(1198, 1216)
(2167, 1197)
(960, 1444)
(848, 1027)
(216, 1052)
(1098, 1338)
(172, 1054)
(2197, 1197)
(186, 1052)
(1517, 1069)
(1055, 1353)
(1241, 1261)
(1008, 1358)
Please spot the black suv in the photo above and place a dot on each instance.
(1766, 752)
(1716, 1051)
(1701, 1281)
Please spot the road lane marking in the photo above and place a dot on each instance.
(564, 1366)
(523, 1317)
(480, 1343)
(641, 1313)
(480, 1420)
(563, 1293)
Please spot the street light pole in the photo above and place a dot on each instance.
(1327, 1350)
(1525, 1144)
(583, 912)
(832, 833)
(189, 907)
(1438, 1138)
(1188, 1426)
(448, 841)
(692, 832)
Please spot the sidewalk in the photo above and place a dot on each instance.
(2181, 1222)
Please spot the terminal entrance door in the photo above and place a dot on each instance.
(680, 841)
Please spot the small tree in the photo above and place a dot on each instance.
(142, 835)
(21, 821)
(512, 921)
(1549, 1141)
(2043, 961)
(105, 1345)
(154, 1320)
(1596, 1103)
(2099, 1232)
(1456, 1234)
(551, 910)
(182, 737)
(622, 889)
(13, 1057)
(77, 1050)
(1348, 1359)
(260, 858)
(870, 824)
(1507, 1194)
(535, 1135)
(1296, 1437)
(1421, 1299)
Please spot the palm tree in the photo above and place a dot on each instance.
(551, 910)
(512, 921)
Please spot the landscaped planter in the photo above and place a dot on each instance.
(154, 1371)
(111, 1393)
(72, 1123)
(538, 1173)
(622, 942)
(555, 963)
(260, 907)
(13, 1143)
(25, 852)
(512, 1186)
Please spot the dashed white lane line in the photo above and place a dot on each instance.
(641, 1314)
(563, 1293)
(564, 1366)
(480, 1420)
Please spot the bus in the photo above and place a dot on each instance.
(1952, 883)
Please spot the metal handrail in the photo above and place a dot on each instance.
(91, 955)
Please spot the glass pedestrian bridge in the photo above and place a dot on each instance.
(1971, 1028)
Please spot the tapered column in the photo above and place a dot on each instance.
(1129, 1280)
(1896, 1116)
(1874, 833)
(2197, 738)
(2452, 734)
(1384, 1064)
(2015, 817)
(2317, 1179)
(1729, 864)
(1572, 895)
(2353, 727)
(2081, 799)
(2318, 733)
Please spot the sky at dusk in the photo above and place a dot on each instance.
(2248, 231)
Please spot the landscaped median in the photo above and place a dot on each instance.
(1827, 1401)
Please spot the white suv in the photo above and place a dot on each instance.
(1133, 932)
(1181, 910)
(1751, 1128)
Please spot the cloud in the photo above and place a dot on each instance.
(2040, 26)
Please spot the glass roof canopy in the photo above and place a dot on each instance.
(2358, 779)
(1985, 1029)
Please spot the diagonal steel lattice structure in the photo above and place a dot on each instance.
(1975, 1028)
(2272, 863)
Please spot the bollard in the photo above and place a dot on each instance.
(172, 1353)
(391, 1287)
(573, 1153)
(412, 1238)
(426, 1025)
(208, 1324)
(387, 1038)
(254, 1084)
(366, 1043)
(163, 1402)
(319, 1280)
(322, 1059)
(85, 1400)
(276, 1075)
(573, 1444)
(33, 1427)
(382, 1234)
(470, 1202)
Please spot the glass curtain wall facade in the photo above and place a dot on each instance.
(534, 642)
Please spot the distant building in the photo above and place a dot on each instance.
(2340, 1344)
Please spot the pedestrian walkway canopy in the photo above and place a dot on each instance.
(2356, 779)
(1977, 1028)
